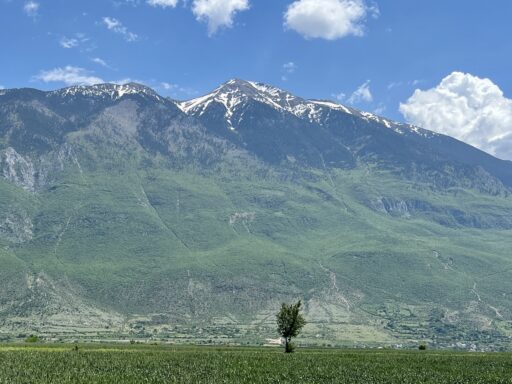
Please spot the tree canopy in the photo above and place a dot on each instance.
(290, 322)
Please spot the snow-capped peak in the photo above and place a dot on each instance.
(231, 94)
(237, 92)
(107, 90)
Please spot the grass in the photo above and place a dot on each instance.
(159, 364)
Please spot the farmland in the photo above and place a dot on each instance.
(169, 364)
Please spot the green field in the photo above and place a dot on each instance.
(166, 364)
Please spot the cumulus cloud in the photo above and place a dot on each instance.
(328, 19)
(31, 8)
(361, 94)
(468, 108)
(218, 13)
(69, 75)
(116, 26)
(163, 3)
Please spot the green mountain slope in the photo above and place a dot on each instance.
(122, 214)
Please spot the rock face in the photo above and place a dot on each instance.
(18, 170)
(122, 210)
(16, 227)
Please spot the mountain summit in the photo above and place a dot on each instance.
(123, 211)
(236, 93)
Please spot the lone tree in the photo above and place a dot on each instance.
(289, 323)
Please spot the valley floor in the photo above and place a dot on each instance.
(65, 363)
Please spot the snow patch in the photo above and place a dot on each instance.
(331, 105)
(108, 91)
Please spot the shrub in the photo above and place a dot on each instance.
(32, 339)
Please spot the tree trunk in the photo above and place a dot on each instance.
(287, 345)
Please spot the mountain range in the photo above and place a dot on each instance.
(127, 214)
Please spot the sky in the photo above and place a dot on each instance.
(443, 65)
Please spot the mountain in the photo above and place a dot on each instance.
(127, 214)
(280, 127)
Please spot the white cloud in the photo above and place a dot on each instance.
(72, 42)
(175, 90)
(1, 86)
(31, 8)
(397, 84)
(218, 13)
(68, 42)
(100, 61)
(468, 108)
(339, 96)
(163, 3)
(69, 75)
(128, 80)
(187, 91)
(168, 86)
(361, 94)
(116, 26)
(290, 67)
(328, 19)
(381, 108)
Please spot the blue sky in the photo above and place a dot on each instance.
(371, 54)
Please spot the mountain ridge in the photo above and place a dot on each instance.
(274, 96)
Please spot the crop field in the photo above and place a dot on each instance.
(162, 364)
